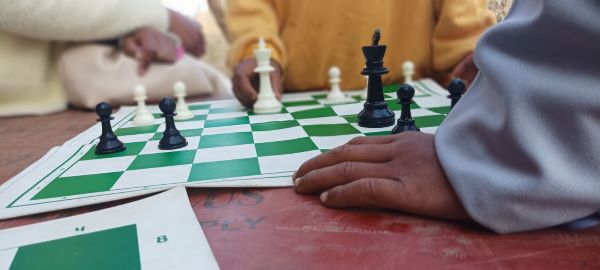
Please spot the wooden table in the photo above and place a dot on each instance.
(278, 229)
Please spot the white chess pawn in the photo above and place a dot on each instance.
(335, 95)
(182, 110)
(266, 101)
(408, 69)
(142, 115)
(365, 91)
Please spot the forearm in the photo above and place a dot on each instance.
(66, 20)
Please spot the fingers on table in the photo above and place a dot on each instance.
(243, 89)
(339, 174)
(347, 153)
(367, 192)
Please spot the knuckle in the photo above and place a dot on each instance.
(369, 189)
(357, 140)
(346, 169)
(341, 152)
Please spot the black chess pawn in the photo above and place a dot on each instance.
(405, 97)
(456, 88)
(375, 113)
(109, 143)
(171, 139)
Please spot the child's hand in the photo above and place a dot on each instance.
(189, 31)
(246, 81)
(147, 45)
(396, 172)
(466, 70)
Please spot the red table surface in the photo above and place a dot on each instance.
(278, 229)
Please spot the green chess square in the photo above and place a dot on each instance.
(267, 126)
(224, 169)
(319, 96)
(391, 88)
(227, 122)
(285, 147)
(283, 110)
(199, 107)
(379, 133)
(301, 103)
(394, 106)
(137, 130)
(227, 139)
(199, 117)
(185, 133)
(351, 118)
(115, 248)
(440, 110)
(163, 159)
(131, 149)
(77, 185)
(429, 120)
(314, 113)
(226, 110)
(330, 130)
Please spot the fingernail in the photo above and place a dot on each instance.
(323, 197)
(297, 182)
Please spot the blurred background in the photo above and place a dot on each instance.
(213, 23)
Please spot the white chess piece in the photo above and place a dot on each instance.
(335, 95)
(408, 69)
(365, 91)
(266, 101)
(182, 110)
(142, 115)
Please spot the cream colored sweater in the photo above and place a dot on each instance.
(31, 33)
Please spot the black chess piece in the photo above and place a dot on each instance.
(456, 88)
(109, 143)
(405, 97)
(375, 113)
(171, 139)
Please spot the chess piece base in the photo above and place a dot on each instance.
(376, 115)
(265, 106)
(403, 126)
(109, 146)
(172, 141)
(185, 115)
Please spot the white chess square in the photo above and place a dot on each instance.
(136, 138)
(151, 147)
(226, 129)
(330, 142)
(302, 108)
(430, 130)
(371, 130)
(419, 112)
(153, 177)
(348, 109)
(200, 112)
(230, 103)
(185, 125)
(285, 163)
(432, 102)
(214, 116)
(225, 153)
(329, 120)
(102, 165)
(263, 118)
(279, 134)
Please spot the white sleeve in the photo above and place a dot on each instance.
(80, 20)
(522, 147)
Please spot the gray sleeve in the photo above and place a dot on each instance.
(522, 147)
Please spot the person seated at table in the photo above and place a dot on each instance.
(33, 41)
(518, 152)
(308, 37)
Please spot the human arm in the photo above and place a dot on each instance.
(65, 20)
(459, 24)
(248, 20)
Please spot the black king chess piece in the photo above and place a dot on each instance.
(171, 139)
(375, 113)
(405, 97)
(109, 143)
(456, 88)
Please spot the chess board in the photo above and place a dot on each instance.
(229, 146)
(159, 232)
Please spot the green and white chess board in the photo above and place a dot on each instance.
(228, 147)
(160, 232)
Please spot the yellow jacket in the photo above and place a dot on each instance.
(310, 36)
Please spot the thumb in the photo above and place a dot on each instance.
(366, 192)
